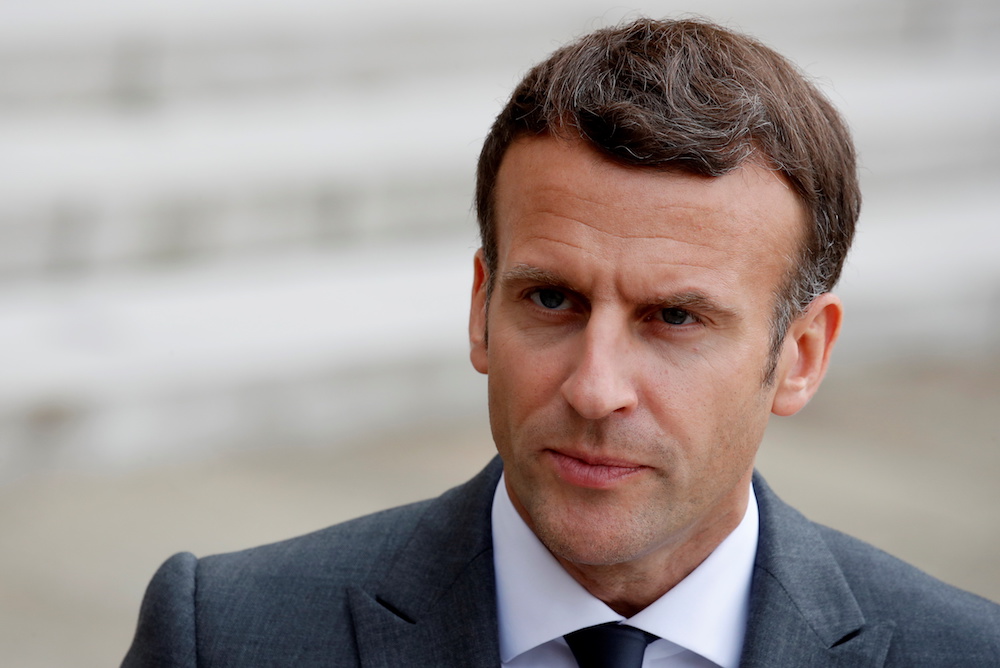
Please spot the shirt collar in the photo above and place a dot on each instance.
(538, 601)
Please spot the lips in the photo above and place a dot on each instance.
(593, 472)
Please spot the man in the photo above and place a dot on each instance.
(664, 209)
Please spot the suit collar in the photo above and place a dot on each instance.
(802, 610)
(436, 604)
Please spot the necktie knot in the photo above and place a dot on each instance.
(610, 645)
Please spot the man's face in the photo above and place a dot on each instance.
(628, 334)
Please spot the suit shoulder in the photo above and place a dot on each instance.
(360, 549)
(886, 575)
(292, 599)
(927, 611)
(351, 549)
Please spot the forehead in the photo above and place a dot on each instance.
(552, 192)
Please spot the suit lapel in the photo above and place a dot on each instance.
(802, 610)
(436, 606)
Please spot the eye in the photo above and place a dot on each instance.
(676, 316)
(549, 299)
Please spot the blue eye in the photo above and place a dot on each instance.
(550, 299)
(675, 316)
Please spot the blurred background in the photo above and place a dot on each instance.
(235, 257)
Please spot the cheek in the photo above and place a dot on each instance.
(741, 426)
(524, 392)
(709, 404)
(519, 388)
(524, 365)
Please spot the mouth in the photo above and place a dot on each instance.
(592, 471)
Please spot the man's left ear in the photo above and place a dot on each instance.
(806, 354)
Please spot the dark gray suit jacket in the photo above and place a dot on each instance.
(413, 586)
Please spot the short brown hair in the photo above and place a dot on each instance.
(693, 96)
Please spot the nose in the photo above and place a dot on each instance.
(601, 382)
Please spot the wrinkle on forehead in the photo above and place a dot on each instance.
(542, 218)
(550, 192)
(679, 215)
(563, 242)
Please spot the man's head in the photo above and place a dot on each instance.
(664, 208)
(691, 96)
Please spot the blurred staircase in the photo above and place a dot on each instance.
(225, 227)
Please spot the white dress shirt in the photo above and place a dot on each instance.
(700, 622)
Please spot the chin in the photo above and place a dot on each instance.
(596, 551)
(593, 540)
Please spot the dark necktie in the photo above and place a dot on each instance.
(609, 646)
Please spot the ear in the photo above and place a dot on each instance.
(477, 315)
(806, 354)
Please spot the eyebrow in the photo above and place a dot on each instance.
(523, 273)
(694, 300)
